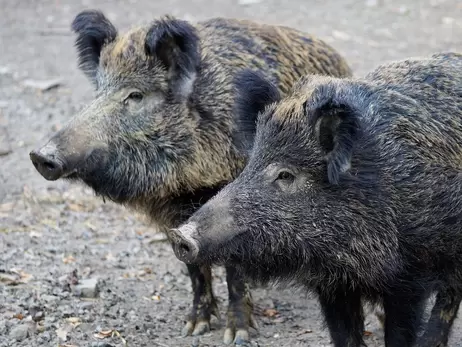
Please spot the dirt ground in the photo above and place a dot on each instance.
(58, 242)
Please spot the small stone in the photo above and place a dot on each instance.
(45, 337)
(49, 298)
(196, 341)
(87, 305)
(340, 35)
(21, 332)
(87, 288)
(38, 316)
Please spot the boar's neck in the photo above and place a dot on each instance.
(170, 213)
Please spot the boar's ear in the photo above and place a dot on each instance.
(176, 44)
(336, 126)
(93, 31)
(253, 93)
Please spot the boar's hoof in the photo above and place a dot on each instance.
(237, 326)
(198, 322)
(196, 328)
(240, 338)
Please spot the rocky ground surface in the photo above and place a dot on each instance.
(75, 271)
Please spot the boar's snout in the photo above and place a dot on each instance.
(48, 162)
(186, 248)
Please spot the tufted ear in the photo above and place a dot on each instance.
(336, 126)
(93, 31)
(253, 93)
(176, 44)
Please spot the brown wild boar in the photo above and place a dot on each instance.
(161, 135)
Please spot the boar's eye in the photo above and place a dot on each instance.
(285, 176)
(134, 96)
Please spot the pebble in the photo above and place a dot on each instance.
(87, 288)
(21, 332)
(44, 337)
(87, 305)
(38, 316)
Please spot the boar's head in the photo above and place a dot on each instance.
(310, 201)
(131, 140)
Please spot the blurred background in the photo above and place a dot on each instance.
(133, 291)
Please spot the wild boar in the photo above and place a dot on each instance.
(160, 135)
(353, 189)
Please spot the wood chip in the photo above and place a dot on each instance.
(43, 85)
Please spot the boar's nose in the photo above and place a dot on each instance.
(185, 247)
(47, 162)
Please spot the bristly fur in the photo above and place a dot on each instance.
(176, 44)
(161, 135)
(354, 189)
(93, 32)
(253, 94)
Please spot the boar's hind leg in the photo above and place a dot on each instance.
(442, 317)
(344, 317)
(240, 309)
(403, 316)
(204, 304)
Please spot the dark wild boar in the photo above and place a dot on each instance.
(160, 135)
(354, 190)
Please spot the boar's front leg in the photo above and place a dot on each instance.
(344, 316)
(204, 303)
(442, 317)
(240, 309)
(403, 314)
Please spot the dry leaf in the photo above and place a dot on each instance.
(35, 234)
(14, 277)
(75, 321)
(7, 207)
(103, 334)
(43, 85)
(19, 316)
(68, 259)
(156, 297)
(306, 331)
(367, 333)
(76, 207)
(62, 332)
(269, 312)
